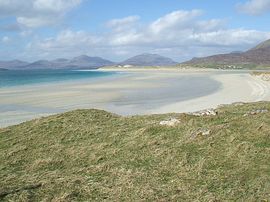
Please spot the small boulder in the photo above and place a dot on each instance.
(201, 133)
(170, 122)
(207, 112)
(255, 112)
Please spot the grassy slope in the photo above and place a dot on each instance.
(264, 44)
(94, 155)
(226, 66)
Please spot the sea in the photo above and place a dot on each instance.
(29, 94)
(27, 77)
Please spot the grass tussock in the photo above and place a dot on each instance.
(256, 73)
(88, 155)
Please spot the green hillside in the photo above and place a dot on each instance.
(265, 44)
(255, 58)
(88, 155)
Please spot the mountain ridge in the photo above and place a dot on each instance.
(12, 64)
(147, 59)
(264, 44)
(254, 57)
(79, 62)
(87, 62)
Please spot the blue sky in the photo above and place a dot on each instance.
(118, 29)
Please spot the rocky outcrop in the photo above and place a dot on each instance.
(206, 112)
(255, 112)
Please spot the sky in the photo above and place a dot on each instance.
(118, 29)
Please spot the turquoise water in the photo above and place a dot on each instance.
(26, 77)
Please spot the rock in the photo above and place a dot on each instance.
(206, 132)
(255, 112)
(238, 104)
(200, 133)
(207, 112)
(170, 122)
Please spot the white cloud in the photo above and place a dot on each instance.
(182, 29)
(174, 20)
(180, 34)
(67, 39)
(33, 22)
(255, 7)
(169, 30)
(126, 22)
(36, 13)
(6, 39)
(230, 38)
(55, 5)
(66, 44)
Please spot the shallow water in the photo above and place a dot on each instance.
(34, 94)
(168, 91)
(26, 77)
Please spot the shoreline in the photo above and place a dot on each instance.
(176, 69)
(126, 95)
(229, 94)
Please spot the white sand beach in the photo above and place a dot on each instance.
(235, 88)
(134, 92)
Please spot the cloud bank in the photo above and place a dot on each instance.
(36, 13)
(255, 7)
(179, 34)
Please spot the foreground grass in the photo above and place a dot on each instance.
(89, 155)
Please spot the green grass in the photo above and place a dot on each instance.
(226, 66)
(229, 66)
(92, 155)
(265, 44)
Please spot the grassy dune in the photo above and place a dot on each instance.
(88, 155)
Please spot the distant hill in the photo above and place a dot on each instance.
(80, 62)
(85, 61)
(149, 60)
(13, 64)
(2, 69)
(265, 44)
(40, 64)
(257, 56)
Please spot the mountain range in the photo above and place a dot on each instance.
(259, 56)
(80, 62)
(86, 62)
(149, 60)
(13, 64)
